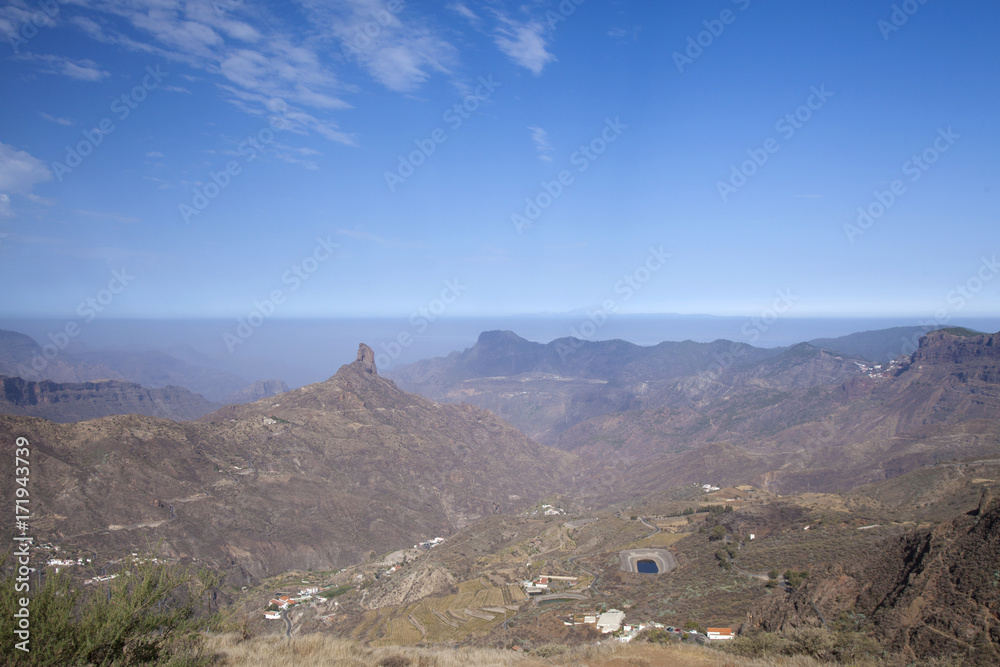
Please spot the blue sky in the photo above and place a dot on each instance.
(543, 157)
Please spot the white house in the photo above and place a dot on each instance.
(610, 621)
(719, 633)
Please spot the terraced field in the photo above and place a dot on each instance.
(475, 609)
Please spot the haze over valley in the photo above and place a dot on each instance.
(569, 332)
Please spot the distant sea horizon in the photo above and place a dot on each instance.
(303, 351)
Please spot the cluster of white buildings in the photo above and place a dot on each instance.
(283, 602)
(612, 622)
(608, 622)
(709, 488)
(427, 544)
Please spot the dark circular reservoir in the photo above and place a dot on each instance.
(646, 567)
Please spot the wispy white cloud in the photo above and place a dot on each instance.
(257, 58)
(154, 154)
(464, 11)
(524, 43)
(53, 119)
(82, 70)
(400, 54)
(542, 145)
(19, 171)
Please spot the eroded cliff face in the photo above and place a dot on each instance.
(258, 390)
(967, 358)
(933, 593)
(941, 347)
(77, 401)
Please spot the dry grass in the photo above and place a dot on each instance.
(472, 610)
(321, 649)
(658, 541)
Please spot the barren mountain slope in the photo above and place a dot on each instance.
(316, 477)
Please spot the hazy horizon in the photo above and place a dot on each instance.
(300, 351)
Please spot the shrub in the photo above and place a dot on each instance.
(550, 650)
(655, 636)
(141, 616)
(394, 661)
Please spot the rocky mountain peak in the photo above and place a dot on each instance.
(366, 360)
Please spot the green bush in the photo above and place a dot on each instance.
(655, 636)
(145, 615)
(334, 592)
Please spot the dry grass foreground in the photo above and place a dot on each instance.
(321, 649)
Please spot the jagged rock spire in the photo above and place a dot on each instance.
(366, 359)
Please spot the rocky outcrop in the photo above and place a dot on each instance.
(929, 594)
(943, 347)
